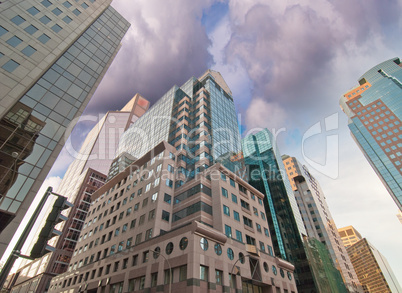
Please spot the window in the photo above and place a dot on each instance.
(204, 244)
(226, 210)
(56, 28)
(223, 177)
(169, 183)
(182, 273)
(154, 196)
(132, 225)
(234, 198)
(145, 256)
(138, 238)
(168, 277)
(255, 211)
(151, 215)
(236, 216)
(145, 202)
(169, 248)
(224, 192)
(228, 231)
(129, 242)
(142, 219)
(204, 273)
(43, 38)
(148, 187)
(170, 168)
(266, 232)
(239, 236)
(30, 29)
(28, 51)
(33, 10)
(167, 198)
(183, 243)
(247, 222)
(218, 277)
(165, 215)
(45, 20)
(154, 279)
(262, 246)
(76, 12)
(232, 182)
(218, 249)
(57, 11)
(148, 234)
(230, 253)
(17, 20)
(10, 66)
(67, 19)
(14, 41)
(263, 216)
(244, 204)
(258, 226)
(46, 3)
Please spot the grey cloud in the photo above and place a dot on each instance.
(290, 54)
(165, 45)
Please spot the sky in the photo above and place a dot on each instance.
(287, 64)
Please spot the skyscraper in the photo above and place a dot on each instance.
(372, 268)
(176, 218)
(83, 177)
(374, 111)
(317, 218)
(53, 55)
(266, 173)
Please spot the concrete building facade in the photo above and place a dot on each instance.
(318, 220)
(144, 233)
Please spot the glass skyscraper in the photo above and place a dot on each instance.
(206, 128)
(314, 270)
(53, 55)
(374, 109)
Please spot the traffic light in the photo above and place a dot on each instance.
(48, 231)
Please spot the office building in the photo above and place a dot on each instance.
(317, 218)
(178, 117)
(53, 56)
(291, 241)
(374, 111)
(83, 177)
(176, 217)
(349, 235)
(372, 268)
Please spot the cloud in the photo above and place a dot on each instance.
(291, 50)
(165, 45)
(261, 113)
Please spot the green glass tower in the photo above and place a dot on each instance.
(267, 173)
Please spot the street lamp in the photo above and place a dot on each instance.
(170, 269)
(231, 271)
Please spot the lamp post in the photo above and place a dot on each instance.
(170, 268)
(231, 271)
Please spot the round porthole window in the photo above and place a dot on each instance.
(282, 273)
(204, 243)
(266, 268)
(183, 243)
(218, 249)
(274, 270)
(242, 258)
(157, 252)
(289, 276)
(169, 248)
(230, 254)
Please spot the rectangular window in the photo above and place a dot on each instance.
(226, 210)
(228, 231)
(33, 10)
(239, 236)
(224, 192)
(67, 19)
(57, 11)
(204, 273)
(17, 20)
(148, 234)
(165, 215)
(28, 51)
(167, 198)
(168, 277)
(10, 65)
(142, 219)
(56, 28)
(14, 41)
(154, 279)
(30, 29)
(266, 232)
(46, 3)
(218, 277)
(45, 20)
(43, 38)
(151, 215)
(183, 273)
(234, 198)
(236, 216)
(258, 226)
(244, 204)
(255, 211)
(247, 222)
(232, 182)
(223, 177)
(138, 238)
(262, 246)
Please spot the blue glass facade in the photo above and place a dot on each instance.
(198, 117)
(374, 109)
(267, 173)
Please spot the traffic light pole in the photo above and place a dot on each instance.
(20, 243)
